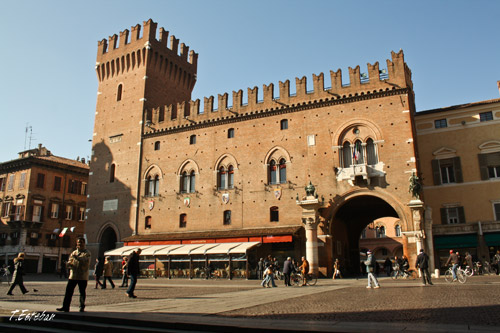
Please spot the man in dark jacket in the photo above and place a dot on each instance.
(133, 271)
(423, 264)
(455, 260)
(287, 270)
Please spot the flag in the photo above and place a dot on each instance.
(355, 153)
(63, 232)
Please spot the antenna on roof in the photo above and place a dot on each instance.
(30, 130)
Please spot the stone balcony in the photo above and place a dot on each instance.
(367, 172)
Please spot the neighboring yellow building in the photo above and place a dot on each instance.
(459, 151)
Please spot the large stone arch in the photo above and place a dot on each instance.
(349, 216)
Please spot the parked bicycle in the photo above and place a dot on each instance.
(469, 271)
(461, 275)
(409, 275)
(296, 279)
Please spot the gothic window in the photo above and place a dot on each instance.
(227, 217)
(284, 124)
(346, 154)
(380, 232)
(222, 178)
(230, 177)
(282, 172)
(112, 173)
(371, 153)
(357, 154)
(192, 139)
(119, 93)
(397, 230)
(225, 178)
(274, 214)
(230, 133)
(272, 172)
(147, 222)
(157, 145)
(192, 182)
(182, 220)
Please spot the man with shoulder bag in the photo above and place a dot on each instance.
(370, 269)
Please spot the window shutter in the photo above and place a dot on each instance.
(444, 216)
(483, 166)
(436, 174)
(458, 170)
(41, 214)
(461, 214)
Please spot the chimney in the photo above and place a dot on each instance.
(498, 85)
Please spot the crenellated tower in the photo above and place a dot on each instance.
(136, 71)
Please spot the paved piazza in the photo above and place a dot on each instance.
(474, 303)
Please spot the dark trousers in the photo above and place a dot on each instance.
(133, 282)
(70, 289)
(17, 282)
(98, 281)
(110, 281)
(287, 279)
(425, 275)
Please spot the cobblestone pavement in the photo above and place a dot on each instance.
(346, 300)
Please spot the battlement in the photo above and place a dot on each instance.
(397, 76)
(131, 49)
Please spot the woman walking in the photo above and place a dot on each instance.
(108, 273)
(17, 277)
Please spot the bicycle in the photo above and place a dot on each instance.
(461, 275)
(469, 271)
(296, 279)
(410, 274)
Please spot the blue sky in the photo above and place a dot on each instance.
(48, 81)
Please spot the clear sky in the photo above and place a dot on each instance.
(48, 54)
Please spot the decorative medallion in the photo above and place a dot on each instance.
(277, 193)
(151, 204)
(225, 198)
(187, 201)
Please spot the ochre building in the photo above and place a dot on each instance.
(43, 200)
(166, 169)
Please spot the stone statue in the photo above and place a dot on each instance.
(415, 186)
(310, 189)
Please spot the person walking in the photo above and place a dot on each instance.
(124, 272)
(17, 276)
(388, 266)
(78, 263)
(370, 269)
(422, 263)
(260, 268)
(98, 269)
(496, 261)
(268, 277)
(336, 269)
(108, 273)
(133, 270)
(455, 260)
(287, 270)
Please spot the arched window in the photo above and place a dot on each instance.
(346, 154)
(149, 187)
(192, 139)
(112, 173)
(119, 92)
(184, 182)
(222, 178)
(272, 172)
(157, 145)
(156, 189)
(227, 217)
(274, 214)
(230, 177)
(182, 220)
(397, 230)
(230, 133)
(282, 172)
(192, 182)
(371, 154)
(357, 154)
(284, 124)
(147, 222)
(380, 232)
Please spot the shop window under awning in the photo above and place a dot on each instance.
(455, 241)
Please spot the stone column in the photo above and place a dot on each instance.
(310, 218)
(417, 235)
